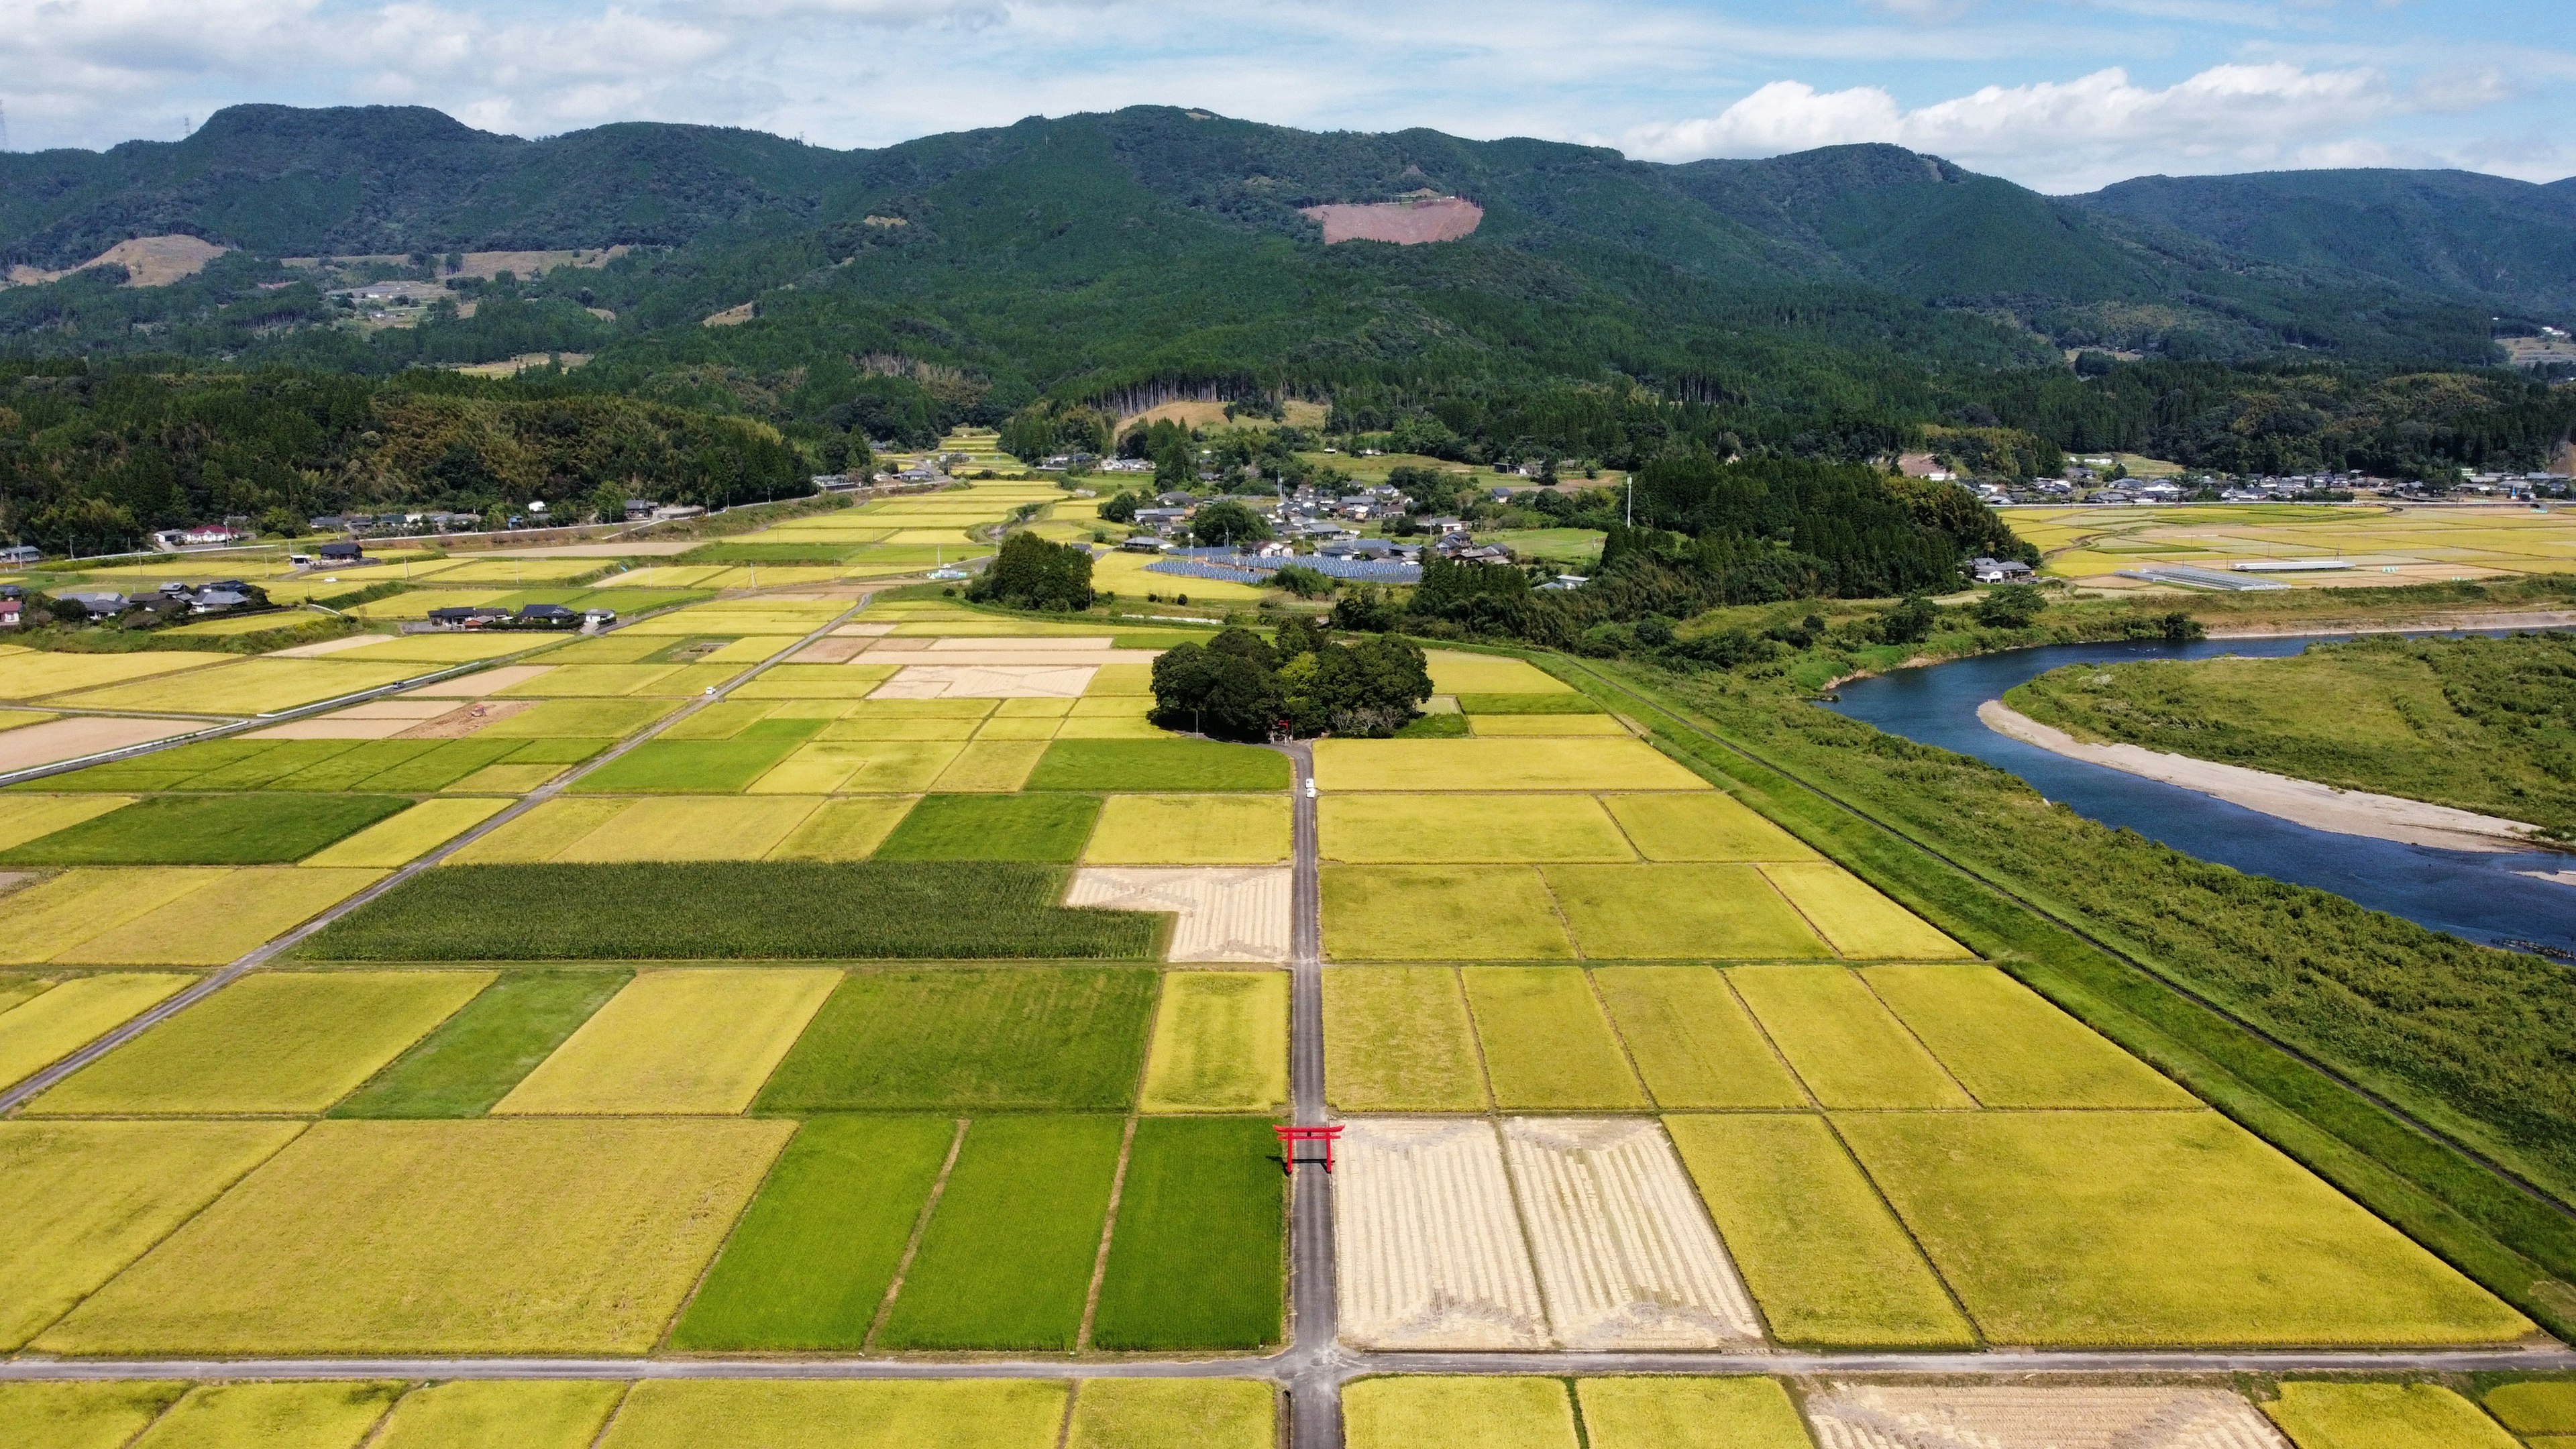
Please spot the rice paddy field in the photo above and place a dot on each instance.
(2380, 544)
(713, 986)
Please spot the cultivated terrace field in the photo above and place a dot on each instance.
(798, 976)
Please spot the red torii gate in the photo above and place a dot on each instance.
(1289, 1137)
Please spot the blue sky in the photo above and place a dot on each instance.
(2062, 95)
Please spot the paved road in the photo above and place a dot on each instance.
(1313, 1366)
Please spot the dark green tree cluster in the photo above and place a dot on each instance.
(1044, 429)
(1028, 572)
(1243, 687)
(85, 454)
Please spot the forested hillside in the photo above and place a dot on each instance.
(1833, 305)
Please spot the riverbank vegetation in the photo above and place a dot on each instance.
(2207, 972)
(2481, 724)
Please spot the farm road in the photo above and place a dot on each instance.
(27, 1090)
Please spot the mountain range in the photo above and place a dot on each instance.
(1833, 300)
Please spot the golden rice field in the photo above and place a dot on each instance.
(2385, 544)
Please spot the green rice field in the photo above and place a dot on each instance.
(897, 910)
(1196, 1263)
(1143, 766)
(1010, 1039)
(809, 1265)
(476, 1056)
(208, 830)
(1048, 827)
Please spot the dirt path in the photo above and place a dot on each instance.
(2302, 802)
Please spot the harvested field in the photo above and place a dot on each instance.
(1679, 912)
(485, 682)
(1422, 1411)
(1691, 1040)
(739, 910)
(1497, 765)
(1624, 1253)
(1006, 1039)
(1426, 829)
(33, 817)
(258, 903)
(742, 828)
(1861, 923)
(1964, 1416)
(842, 830)
(810, 1262)
(1709, 826)
(1398, 1039)
(993, 765)
(286, 1041)
(1830, 1264)
(1151, 1413)
(1238, 914)
(1677, 1413)
(501, 1413)
(1196, 1262)
(1149, 766)
(1843, 1043)
(1545, 1040)
(476, 1056)
(2382, 1416)
(1007, 1259)
(676, 1042)
(442, 1237)
(40, 1030)
(405, 837)
(334, 727)
(985, 681)
(1456, 672)
(2085, 1229)
(209, 830)
(69, 739)
(81, 1200)
(77, 1415)
(1427, 912)
(1431, 1255)
(2010, 1048)
(259, 1415)
(1050, 827)
(964, 1413)
(1220, 1043)
(1189, 830)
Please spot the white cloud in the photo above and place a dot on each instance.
(2057, 134)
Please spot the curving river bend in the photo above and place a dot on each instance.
(2482, 897)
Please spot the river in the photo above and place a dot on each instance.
(2481, 897)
